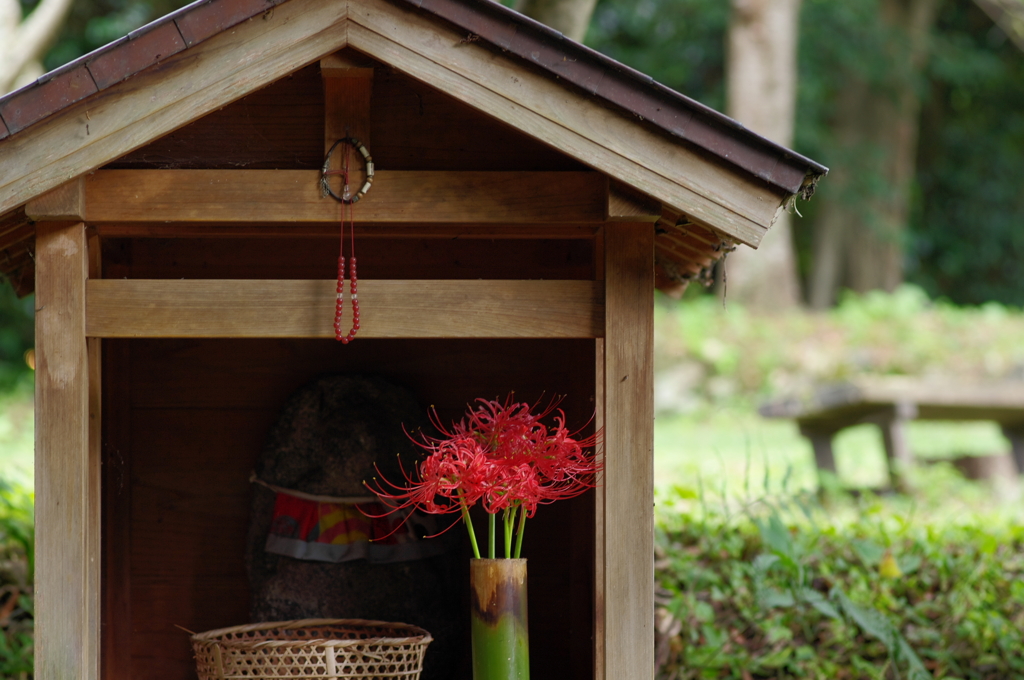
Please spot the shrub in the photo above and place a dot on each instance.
(784, 589)
(17, 552)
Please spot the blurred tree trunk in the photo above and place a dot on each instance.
(761, 93)
(862, 220)
(570, 17)
(24, 42)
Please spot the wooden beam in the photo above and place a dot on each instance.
(626, 205)
(66, 202)
(93, 482)
(127, 308)
(628, 626)
(186, 86)
(389, 231)
(293, 197)
(347, 88)
(67, 486)
(596, 135)
(232, 64)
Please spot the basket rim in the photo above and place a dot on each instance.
(418, 635)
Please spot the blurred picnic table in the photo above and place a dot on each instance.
(890, 402)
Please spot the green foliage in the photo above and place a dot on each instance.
(784, 589)
(94, 23)
(17, 334)
(680, 44)
(967, 242)
(17, 559)
(740, 357)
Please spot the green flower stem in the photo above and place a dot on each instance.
(490, 534)
(520, 531)
(510, 520)
(469, 526)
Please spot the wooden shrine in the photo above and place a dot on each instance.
(160, 196)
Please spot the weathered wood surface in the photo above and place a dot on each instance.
(116, 511)
(67, 611)
(890, 403)
(347, 90)
(66, 202)
(585, 130)
(230, 65)
(293, 197)
(628, 607)
(316, 258)
(305, 309)
(200, 411)
(448, 232)
(601, 547)
(846, 403)
(188, 85)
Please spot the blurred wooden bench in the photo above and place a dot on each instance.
(891, 402)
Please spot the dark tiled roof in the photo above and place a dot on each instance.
(628, 89)
(683, 251)
(122, 58)
(604, 78)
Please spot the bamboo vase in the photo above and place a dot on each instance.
(501, 647)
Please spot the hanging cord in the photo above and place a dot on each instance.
(346, 199)
(346, 202)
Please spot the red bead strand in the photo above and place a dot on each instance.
(353, 280)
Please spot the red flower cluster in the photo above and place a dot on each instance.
(502, 456)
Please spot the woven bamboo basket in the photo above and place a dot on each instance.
(338, 649)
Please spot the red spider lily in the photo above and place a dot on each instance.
(505, 458)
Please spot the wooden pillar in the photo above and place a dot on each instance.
(347, 88)
(67, 461)
(1015, 433)
(625, 644)
(892, 422)
(821, 442)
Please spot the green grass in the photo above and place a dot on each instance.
(760, 574)
(791, 587)
(17, 433)
(723, 448)
(715, 364)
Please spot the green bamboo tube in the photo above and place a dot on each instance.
(501, 647)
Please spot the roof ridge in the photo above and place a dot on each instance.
(619, 85)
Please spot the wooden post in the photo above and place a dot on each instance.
(893, 424)
(66, 477)
(627, 628)
(821, 442)
(347, 88)
(1015, 433)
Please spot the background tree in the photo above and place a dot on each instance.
(859, 61)
(861, 227)
(761, 83)
(24, 40)
(570, 17)
(966, 241)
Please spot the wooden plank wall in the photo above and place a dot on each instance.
(413, 127)
(185, 419)
(197, 415)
